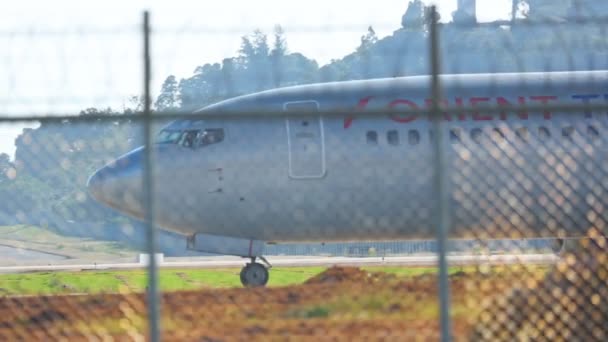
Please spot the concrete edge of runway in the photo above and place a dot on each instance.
(283, 261)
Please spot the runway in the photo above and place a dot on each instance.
(298, 261)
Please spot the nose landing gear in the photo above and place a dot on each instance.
(558, 246)
(255, 274)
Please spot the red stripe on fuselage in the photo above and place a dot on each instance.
(348, 121)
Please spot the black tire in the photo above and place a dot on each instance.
(558, 246)
(254, 275)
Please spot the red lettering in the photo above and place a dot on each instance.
(502, 102)
(462, 116)
(476, 115)
(544, 100)
(442, 104)
(522, 114)
(348, 121)
(404, 119)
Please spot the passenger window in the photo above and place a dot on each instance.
(543, 133)
(593, 132)
(210, 136)
(392, 137)
(476, 135)
(413, 137)
(567, 132)
(497, 134)
(455, 135)
(522, 133)
(372, 137)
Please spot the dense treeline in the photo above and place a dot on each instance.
(468, 48)
(259, 65)
(46, 180)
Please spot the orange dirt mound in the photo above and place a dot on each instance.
(339, 274)
(341, 303)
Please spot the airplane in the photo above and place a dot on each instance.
(232, 182)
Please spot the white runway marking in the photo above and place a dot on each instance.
(222, 262)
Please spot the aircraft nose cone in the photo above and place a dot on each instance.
(94, 184)
(102, 185)
(118, 184)
(98, 182)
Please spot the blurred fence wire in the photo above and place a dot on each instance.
(495, 164)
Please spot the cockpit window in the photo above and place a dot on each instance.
(210, 136)
(169, 137)
(191, 138)
(188, 138)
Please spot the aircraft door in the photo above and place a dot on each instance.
(305, 141)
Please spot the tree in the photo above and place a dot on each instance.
(544, 9)
(279, 50)
(204, 87)
(260, 44)
(254, 60)
(364, 51)
(464, 15)
(254, 57)
(228, 70)
(367, 40)
(297, 69)
(262, 62)
(427, 15)
(247, 51)
(5, 167)
(169, 96)
(414, 16)
(136, 103)
(279, 47)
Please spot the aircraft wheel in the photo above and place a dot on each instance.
(254, 275)
(558, 246)
(562, 246)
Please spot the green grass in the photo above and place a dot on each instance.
(119, 281)
(45, 240)
(178, 279)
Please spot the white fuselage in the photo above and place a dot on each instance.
(326, 177)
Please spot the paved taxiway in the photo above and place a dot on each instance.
(284, 261)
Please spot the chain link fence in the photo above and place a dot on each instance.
(465, 161)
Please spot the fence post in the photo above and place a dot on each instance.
(441, 165)
(152, 291)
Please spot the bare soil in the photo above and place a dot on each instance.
(338, 304)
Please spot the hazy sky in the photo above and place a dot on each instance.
(64, 55)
